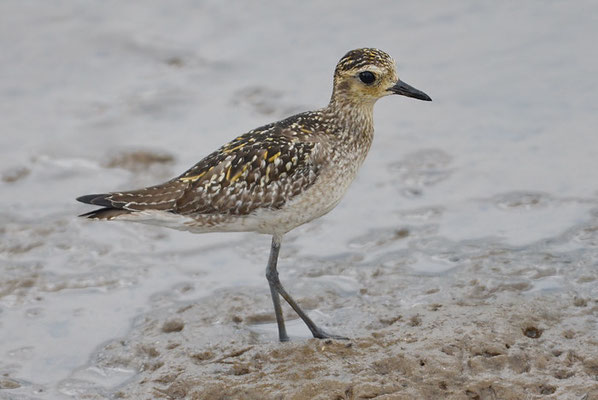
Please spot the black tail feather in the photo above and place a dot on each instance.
(110, 211)
(96, 199)
(105, 213)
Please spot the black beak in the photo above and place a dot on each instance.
(407, 90)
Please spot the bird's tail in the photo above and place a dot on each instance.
(107, 213)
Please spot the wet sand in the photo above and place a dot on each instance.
(504, 346)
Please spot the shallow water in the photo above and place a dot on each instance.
(493, 184)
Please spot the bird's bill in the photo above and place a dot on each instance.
(407, 90)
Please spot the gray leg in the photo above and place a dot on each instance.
(276, 288)
(270, 271)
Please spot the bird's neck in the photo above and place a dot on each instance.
(353, 127)
(352, 117)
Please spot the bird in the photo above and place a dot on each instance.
(274, 178)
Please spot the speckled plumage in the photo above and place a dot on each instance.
(276, 177)
(261, 172)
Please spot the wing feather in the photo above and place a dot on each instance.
(264, 168)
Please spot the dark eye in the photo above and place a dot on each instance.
(367, 77)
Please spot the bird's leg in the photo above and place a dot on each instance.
(276, 288)
(272, 276)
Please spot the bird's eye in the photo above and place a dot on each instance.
(367, 77)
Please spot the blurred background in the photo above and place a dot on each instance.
(102, 96)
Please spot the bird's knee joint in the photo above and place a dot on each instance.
(272, 276)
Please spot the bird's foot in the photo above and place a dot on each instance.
(321, 334)
(283, 339)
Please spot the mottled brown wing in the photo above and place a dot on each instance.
(263, 168)
(251, 172)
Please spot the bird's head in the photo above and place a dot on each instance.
(365, 75)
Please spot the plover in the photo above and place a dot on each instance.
(276, 177)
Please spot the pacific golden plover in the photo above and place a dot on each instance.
(274, 178)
